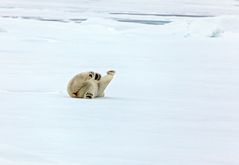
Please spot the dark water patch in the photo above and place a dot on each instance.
(78, 20)
(13, 17)
(147, 22)
(163, 15)
(75, 20)
(44, 19)
(53, 20)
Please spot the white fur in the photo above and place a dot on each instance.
(89, 84)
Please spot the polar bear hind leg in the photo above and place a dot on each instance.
(104, 82)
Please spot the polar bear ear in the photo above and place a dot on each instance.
(91, 74)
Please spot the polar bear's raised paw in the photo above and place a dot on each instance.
(111, 72)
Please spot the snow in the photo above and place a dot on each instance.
(174, 99)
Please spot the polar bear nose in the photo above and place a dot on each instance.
(97, 76)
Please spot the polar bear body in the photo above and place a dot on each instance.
(89, 84)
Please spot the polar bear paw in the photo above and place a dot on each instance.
(111, 72)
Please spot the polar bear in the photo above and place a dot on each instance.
(89, 85)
